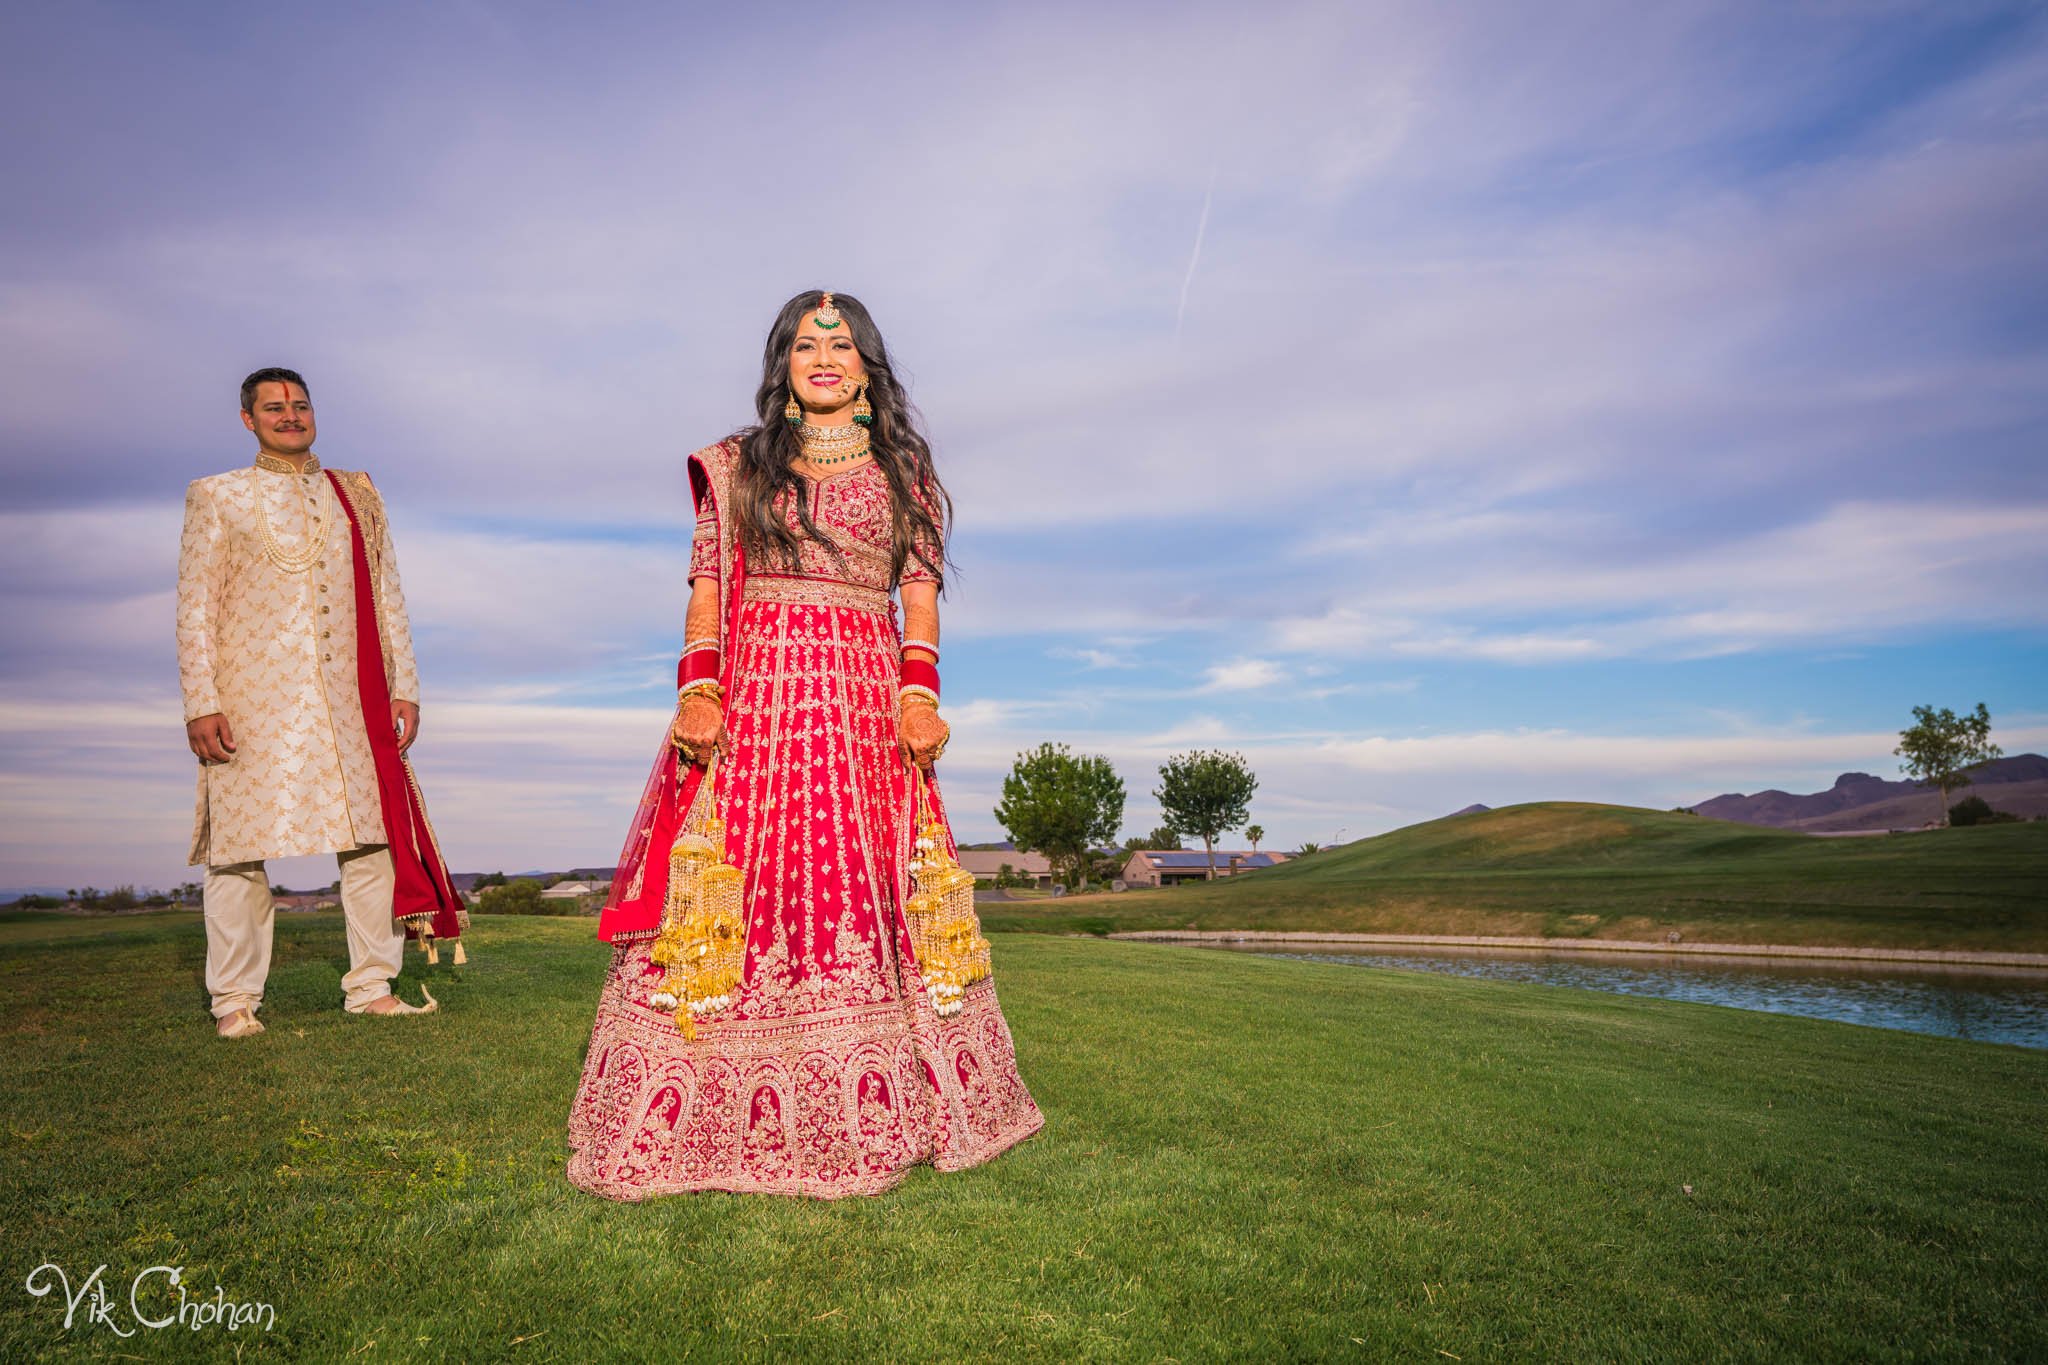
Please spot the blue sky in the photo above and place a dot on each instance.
(1596, 401)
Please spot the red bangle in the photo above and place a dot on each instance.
(696, 666)
(918, 673)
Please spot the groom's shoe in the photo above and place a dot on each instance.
(243, 1023)
(391, 1004)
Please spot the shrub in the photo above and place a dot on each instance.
(521, 897)
(1975, 810)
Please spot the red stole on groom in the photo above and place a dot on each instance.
(424, 899)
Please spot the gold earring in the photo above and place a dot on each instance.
(862, 413)
(792, 411)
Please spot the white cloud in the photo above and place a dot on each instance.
(1859, 571)
(1094, 658)
(1243, 675)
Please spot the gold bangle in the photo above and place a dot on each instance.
(703, 687)
(917, 692)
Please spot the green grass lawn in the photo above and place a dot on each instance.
(1568, 870)
(1242, 1158)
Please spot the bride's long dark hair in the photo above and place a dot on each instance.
(920, 507)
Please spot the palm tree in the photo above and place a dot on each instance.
(1255, 833)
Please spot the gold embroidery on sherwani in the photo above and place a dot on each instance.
(276, 654)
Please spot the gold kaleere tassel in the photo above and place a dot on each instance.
(717, 926)
(924, 911)
(945, 933)
(702, 943)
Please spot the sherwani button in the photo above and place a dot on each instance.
(325, 633)
(324, 611)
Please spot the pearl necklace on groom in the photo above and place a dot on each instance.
(305, 557)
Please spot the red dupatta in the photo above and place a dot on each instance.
(640, 884)
(423, 900)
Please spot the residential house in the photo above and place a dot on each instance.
(1171, 867)
(986, 863)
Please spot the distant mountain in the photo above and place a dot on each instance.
(1860, 801)
(1474, 809)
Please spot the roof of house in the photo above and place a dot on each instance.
(986, 862)
(1181, 859)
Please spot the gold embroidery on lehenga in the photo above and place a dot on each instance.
(814, 592)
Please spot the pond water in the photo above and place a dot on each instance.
(1988, 1004)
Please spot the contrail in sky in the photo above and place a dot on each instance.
(1195, 257)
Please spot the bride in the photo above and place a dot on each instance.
(799, 999)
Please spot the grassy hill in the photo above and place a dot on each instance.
(1573, 870)
(1243, 1159)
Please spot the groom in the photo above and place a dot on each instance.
(301, 698)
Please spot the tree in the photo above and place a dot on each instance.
(1061, 804)
(520, 897)
(1308, 848)
(1941, 748)
(1206, 793)
(1255, 833)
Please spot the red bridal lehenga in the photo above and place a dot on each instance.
(830, 1073)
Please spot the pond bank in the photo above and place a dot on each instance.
(2033, 961)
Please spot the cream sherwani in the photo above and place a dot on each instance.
(274, 651)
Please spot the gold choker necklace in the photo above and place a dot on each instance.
(824, 447)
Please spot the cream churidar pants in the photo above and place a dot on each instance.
(239, 917)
